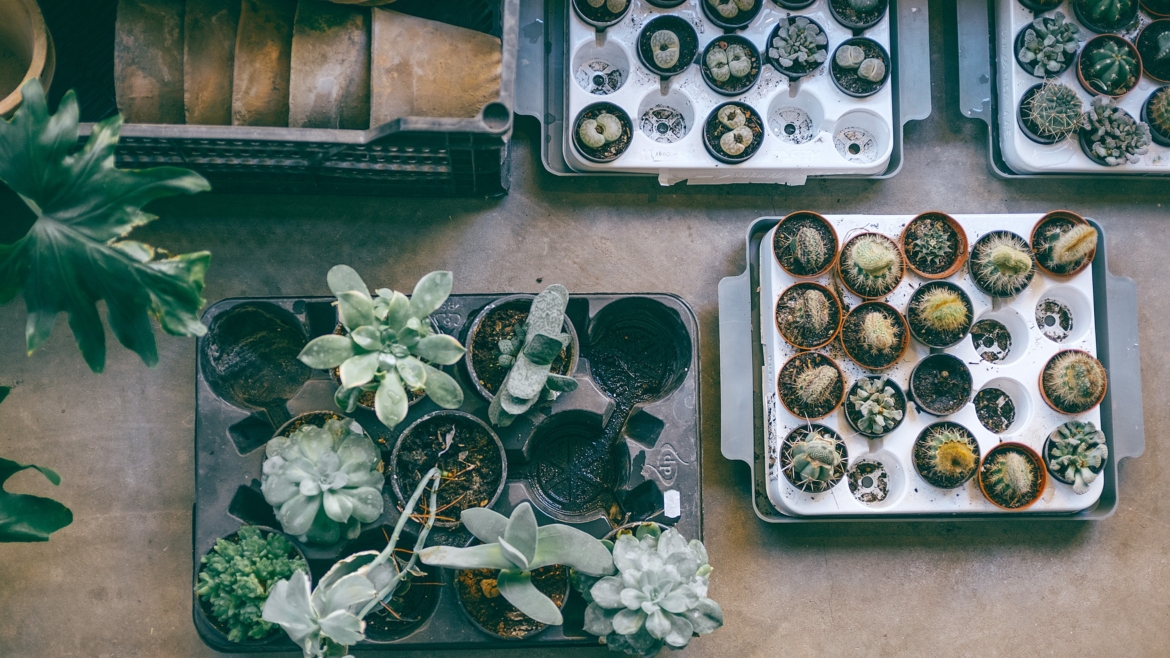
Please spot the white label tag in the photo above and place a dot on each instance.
(672, 504)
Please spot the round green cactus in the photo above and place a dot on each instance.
(1002, 264)
(816, 465)
(1010, 478)
(1108, 66)
(946, 455)
(1106, 15)
(1053, 112)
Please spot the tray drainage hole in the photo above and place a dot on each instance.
(869, 481)
(993, 341)
(599, 77)
(1054, 319)
(793, 125)
(856, 145)
(664, 124)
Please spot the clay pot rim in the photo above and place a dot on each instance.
(922, 434)
(1100, 398)
(918, 401)
(963, 244)
(1132, 48)
(832, 296)
(941, 284)
(1037, 461)
(905, 335)
(971, 263)
(41, 57)
(840, 374)
(1164, 21)
(841, 257)
(897, 387)
(830, 265)
(1077, 220)
(1145, 5)
(454, 580)
(840, 447)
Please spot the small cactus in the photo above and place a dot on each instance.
(811, 310)
(878, 332)
(725, 63)
(946, 455)
(1074, 245)
(942, 309)
(1050, 45)
(1074, 381)
(872, 265)
(932, 243)
(1107, 14)
(1076, 453)
(807, 248)
(878, 405)
(1109, 66)
(815, 465)
(1158, 111)
(815, 384)
(1053, 112)
(1113, 135)
(1002, 264)
(1010, 478)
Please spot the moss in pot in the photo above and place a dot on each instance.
(733, 132)
(1106, 15)
(1049, 112)
(1156, 114)
(808, 315)
(935, 245)
(874, 335)
(1002, 264)
(871, 265)
(860, 67)
(813, 458)
(731, 14)
(940, 314)
(1109, 65)
(1153, 44)
(941, 384)
(1110, 137)
(731, 65)
(805, 244)
(602, 132)
(602, 13)
(797, 46)
(1075, 454)
(1064, 243)
(876, 406)
(1047, 46)
(858, 15)
(811, 386)
(1012, 476)
(1073, 382)
(946, 455)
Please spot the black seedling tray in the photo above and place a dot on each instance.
(638, 402)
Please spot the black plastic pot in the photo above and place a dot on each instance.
(1146, 41)
(1019, 45)
(688, 44)
(1040, 6)
(524, 301)
(939, 361)
(1157, 8)
(794, 73)
(837, 71)
(713, 129)
(666, 4)
(1087, 149)
(1024, 127)
(851, 413)
(858, 26)
(1125, 21)
(794, 4)
(599, 17)
(737, 22)
(622, 144)
(1155, 134)
(749, 80)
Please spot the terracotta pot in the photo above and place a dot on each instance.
(831, 261)
(835, 406)
(1161, 11)
(962, 247)
(1044, 394)
(1076, 220)
(905, 335)
(832, 297)
(841, 257)
(1031, 455)
(28, 47)
(1133, 50)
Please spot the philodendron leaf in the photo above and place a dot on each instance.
(26, 518)
(517, 588)
(70, 258)
(430, 292)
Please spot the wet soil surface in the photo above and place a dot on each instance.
(494, 612)
(573, 468)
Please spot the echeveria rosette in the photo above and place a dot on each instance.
(390, 345)
(658, 598)
(321, 480)
(517, 546)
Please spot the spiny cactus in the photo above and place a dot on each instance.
(1163, 47)
(1075, 454)
(807, 248)
(1107, 14)
(1053, 112)
(1074, 381)
(731, 8)
(724, 63)
(1002, 264)
(878, 405)
(602, 130)
(878, 332)
(666, 47)
(1113, 135)
(799, 43)
(815, 384)
(1158, 111)
(942, 309)
(816, 465)
(811, 310)
(1010, 478)
(1074, 245)
(933, 241)
(872, 265)
(1109, 66)
(946, 455)
(1050, 44)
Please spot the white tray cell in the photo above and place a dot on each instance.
(862, 137)
(877, 479)
(991, 344)
(1020, 398)
(601, 71)
(1064, 315)
(795, 120)
(665, 119)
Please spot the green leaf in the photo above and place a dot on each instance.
(4, 391)
(483, 556)
(517, 588)
(443, 389)
(26, 518)
(343, 278)
(367, 338)
(359, 370)
(560, 383)
(562, 544)
(521, 531)
(429, 293)
(413, 372)
(439, 349)
(398, 313)
(325, 352)
(70, 259)
(390, 401)
(354, 309)
(487, 525)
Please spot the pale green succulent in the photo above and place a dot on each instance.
(1076, 452)
(878, 405)
(799, 43)
(390, 345)
(1113, 135)
(1050, 44)
(321, 480)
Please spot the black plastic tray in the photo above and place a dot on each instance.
(653, 431)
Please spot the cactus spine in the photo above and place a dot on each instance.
(1010, 478)
(942, 309)
(1053, 112)
(946, 455)
(872, 265)
(816, 464)
(1002, 264)
(1074, 381)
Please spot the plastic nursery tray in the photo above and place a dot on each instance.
(991, 84)
(549, 90)
(622, 447)
(754, 424)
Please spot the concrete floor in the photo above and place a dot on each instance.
(115, 583)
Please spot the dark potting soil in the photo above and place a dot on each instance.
(783, 238)
(633, 362)
(600, 14)
(847, 12)
(1046, 236)
(573, 467)
(1147, 45)
(849, 79)
(714, 130)
(852, 337)
(928, 335)
(411, 604)
(869, 481)
(470, 462)
(792, 317)
(495, 613)
(992, 340)
(995, 409)
(251, 357)
(688, 42)
(733, 85)
(789, 389)
(316, 418)
(1054, 319)
(612, 149)
(501, 324)
(920, 261)
(942, 386)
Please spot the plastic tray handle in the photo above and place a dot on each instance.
(975, 34)
(735, 368)
(1125, 374)
(913, 43)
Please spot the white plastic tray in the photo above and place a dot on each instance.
(778, 160)
(908, 492)
(1025, 156)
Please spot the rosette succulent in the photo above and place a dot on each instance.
(599, 131)
(1113, 135)
(1053, 112)
(389, 345)
(322, 481)
(868, 68)
(1050, 45)
(1076, 453)
(658, 598)
(877, 405)
(799, 43)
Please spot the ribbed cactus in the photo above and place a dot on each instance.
(942, 309)
(815, 384)
(1053, 112)
(1050, 44)
(1074, 381)
(1002, 264)
(1107, 14)
(933, 242)
(807, 248)
(1010, 478)
(878, 332)
(811, 310)
(1076, 453)
(816, 465)
(1109, 66)
(872, 265)
(1112, 134)
(946, 455)
(877, 404)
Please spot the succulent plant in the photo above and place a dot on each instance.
(932, 243)
(878, 332)
(942, 309)
(1010, 478)
(666, 48)
(390, 345)
(877, 403)
(731, 116)
(735, 142)
(516, 546)
(657, 598)
(850, 56)
(238, 574)
(600, 130)
(1050, 44)
(1076, 452)
(529, 357)
(1054, 111)
(320, 480)
(1002, 264)
(24, 517)
(1074, 381)
(723, 63)
(815, 462)
(731, 8)
(1109, 66)
(810, 310)
(1158, 111)
(815, 384)
(946, 455)
(799, 43)
(868, 68)
(1106, 13)
(871, 265)
(1113, 135)
(872, 69)
(614, 6)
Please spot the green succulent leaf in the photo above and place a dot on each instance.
(482, 556)
(487, 525)
(443, 389)
(359, 370)
(439, 349)
(413, 372)
(356, 310)
(367, 338)
(560, 383)
(430, 292)
(71, 257)
(325, 352)
(390, 402)
(561, 544)
(517, 588)
(343, 278)
(542, 349)
(27, 518)
(398, 312)
(521, 532)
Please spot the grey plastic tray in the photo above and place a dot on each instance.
(740, 359)
(540, 77)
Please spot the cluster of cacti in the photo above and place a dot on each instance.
(1002, 264)
(736, 140)
(932, 242)
(1158, 111)
(1074, 381)
(872, 265)
(799, 43)
(1109, 66)
(1075, 453)
(1010, 478)
(1107, 14)
(877, 404)
(1112, 134)
(1050, 44)
(614, 6)
(731, 8)
(942, 309)
(725, 63)
(878, 332)
(666, 47)
(1053, 112)
(815, 384)
(868, 68)
(946, 456)
(815, 461)
(601, 130)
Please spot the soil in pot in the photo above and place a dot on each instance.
(863, 72)
(946, 455)
(481, 599)
(608, 129)
(1073, 382)
(1157, 7)
(467, 454)
(731, 65)
(811, 385)
(500, 324)
(940, 314)
(1156, 114)
(804, 244)
(808, 315)
(933, 245)
(941, 384)
(731, 14)
(733, 132)
(874, 335)
(814, 458)
(869, 481)
(1040, 6)
(858, 14)
(993, 341)
(315, 418)
(1002, 264)
(416, 597)
(1012, 476)
(875, 406)
(793, 37)
(667, 45)
(1063, 243)
(871, 265)
(995, 410)
(1153, 45)
(603, 12)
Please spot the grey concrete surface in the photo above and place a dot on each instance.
(115, 583)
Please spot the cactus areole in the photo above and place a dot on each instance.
(814, 458)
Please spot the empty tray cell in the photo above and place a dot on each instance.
(666, 119)
(861, 137)
(1064, 314)
(252, 432)
(601, 71)
(644, 428)
(1003, 405)
(796, 120)
(573, 465)
(639, 350)
(1000, 336)
(877, 479)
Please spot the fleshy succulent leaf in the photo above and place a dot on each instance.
(440, 349)
(517, 588)
(443, 389)
(430, 292)
(521, 532)
(390, 403)
(343, 278)
(325, 352)
(483, 556)
(355, 309)
(487, 525)
(561, 544)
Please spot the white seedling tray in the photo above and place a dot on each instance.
(837, 119)
(1018, 375)
(1025, 156)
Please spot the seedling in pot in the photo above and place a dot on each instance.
(858, 15)
(1110, 136)
(1156, 112)
(860, 67)
(814, 458)
(601, 13)
(1064, 243)
(1153, 44)
(1012, 476)
(871, 265)
(733, 132)
(603, 132)
(731, 14)
(1075, 454)
(731, 65)
(811, 386)
(805, 244)
(1002, 264)
(946, 455)
(940, 314)
(874, 335)
(876, 406)
(941, 384)
(808, 315)
(1106, 15)
(797, 46)
(1073, 382)
(1050, 112)
(935, 245)
(1048, 46)
(1109, 65)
